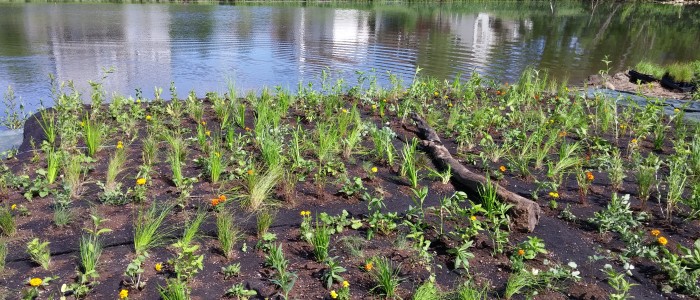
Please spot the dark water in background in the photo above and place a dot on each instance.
(199, 46)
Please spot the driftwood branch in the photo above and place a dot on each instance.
(525, 212)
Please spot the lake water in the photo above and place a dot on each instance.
(200, 47)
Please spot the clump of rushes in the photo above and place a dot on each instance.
(53, 160)
(72, 174)
(39, 252)
(320, 240)
(147, 228)
(215, 161)
(676, 184)
(7, 221)
(409, 168)
(265, 217)
(93, 135)
(114, 168)
(174, 289)
(149, 153)
(227, 232)
(386, 276)
(260, 187)
(48, 125)
(176, 156)
(192, 227)
(646, 176)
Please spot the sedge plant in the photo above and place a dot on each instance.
(148, 228)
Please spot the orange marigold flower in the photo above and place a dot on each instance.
(521, 252)
(251, 172)
(662, 240)
(215, 202)
(589, 176)
(369, 266)
(502, 168)
(222, 198)
(655, 232)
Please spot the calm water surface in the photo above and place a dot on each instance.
(199, 47)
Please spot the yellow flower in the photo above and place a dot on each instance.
(633, 141)
(123, 294)
(345, 111)
(554, 194)
(158, 267)
(502, 168)
(120, 145)
(346, 284)
(449, 104)
(623, 126)
(521, 252)
(204, 123)
(207, 133)
(369, 266)
(141, 181)
(662, 240)
(436, 93)
(374, 170)
(35, 282)
(148, 117)
(251, 172)
(374, 106)
(473, 218)
(655, 232)
(217, 154)
(334, 295)
(676, 110)
(13, 207)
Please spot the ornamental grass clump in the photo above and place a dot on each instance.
(386, 275)
(93, 132)
(320, 240)
(148, 231)
(260, 187)
(7, 221)
(227, 232)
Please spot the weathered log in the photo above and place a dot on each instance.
(525, 212)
